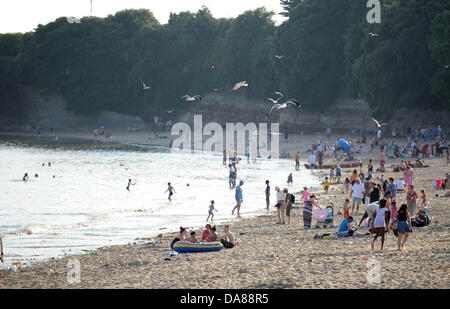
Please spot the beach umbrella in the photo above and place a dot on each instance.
(344, 144)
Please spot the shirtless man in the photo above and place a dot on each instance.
(227, 238)
(171, 191)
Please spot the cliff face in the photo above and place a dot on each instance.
(346, 116)
(43, 110)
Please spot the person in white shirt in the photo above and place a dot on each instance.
(280, 206)
(400, 185)
(380, 223)
(357, 194)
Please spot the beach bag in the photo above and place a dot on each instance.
(394, 224)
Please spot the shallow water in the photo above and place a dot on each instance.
(86, 205)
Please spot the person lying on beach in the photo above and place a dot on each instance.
(227, 238)
(192, 238)
(171, 191)
(180, 237)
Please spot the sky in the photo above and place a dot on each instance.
(25, 15)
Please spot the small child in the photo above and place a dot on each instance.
(129, 184)
(193, 238)
(423, 196)
(171, 191)
(210, 211)
(326, 185)
(346, 208)
(393, 208)
(289, 180)
(347, 184)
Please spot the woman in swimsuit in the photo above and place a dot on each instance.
(180, 237)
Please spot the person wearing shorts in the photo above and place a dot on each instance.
(279, 206)
(356, 194)
(239, 197)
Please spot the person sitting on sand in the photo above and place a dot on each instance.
(192, 238)
(180, 237)
(207, 234)
(213, 233)
(421, 219)
(227, 238)
(345, 225)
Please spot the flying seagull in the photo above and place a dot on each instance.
(282, 106)
(378, 124)
(447, 66)
(170, 111)
(279, 57)
(144, 86)
(191, 99)
(275, 101)
(372, 34)
(239, 85)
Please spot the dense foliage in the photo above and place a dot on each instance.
(328, 47)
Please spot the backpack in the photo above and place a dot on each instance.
(292, 196)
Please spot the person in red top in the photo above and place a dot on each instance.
(207, 234)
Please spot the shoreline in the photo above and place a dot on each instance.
(298, 261)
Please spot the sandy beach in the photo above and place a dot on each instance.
(269, 255)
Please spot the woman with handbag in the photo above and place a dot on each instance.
(404, 225)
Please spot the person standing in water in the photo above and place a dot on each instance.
(297, 161)
(290, 181)
(129, 184)
(267, 194)
(171, 191)
(210, 211)
(239, 198)
(25, 177)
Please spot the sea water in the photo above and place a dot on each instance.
(86, 205)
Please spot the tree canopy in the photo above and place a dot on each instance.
(328, 49)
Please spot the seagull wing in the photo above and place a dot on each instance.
(271, 100)
(294, 102)
(378, 124)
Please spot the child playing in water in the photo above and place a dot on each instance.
(347, 184)
(423, 196)
(210, 211)
(289, 180)
(326, 185)
(346, 208)
(171, 191)
(129, 184)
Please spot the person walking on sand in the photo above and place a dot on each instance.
(288, 203)
(239, 197)
(411, 200)
(267, 191)
(356, 194)
(210, 211)
(404, 225)
(307, 211)
(297, 161)
(380, 224)
(280, 206)
(171, 191)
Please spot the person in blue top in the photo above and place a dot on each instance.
(239, 197)
(345, 225)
